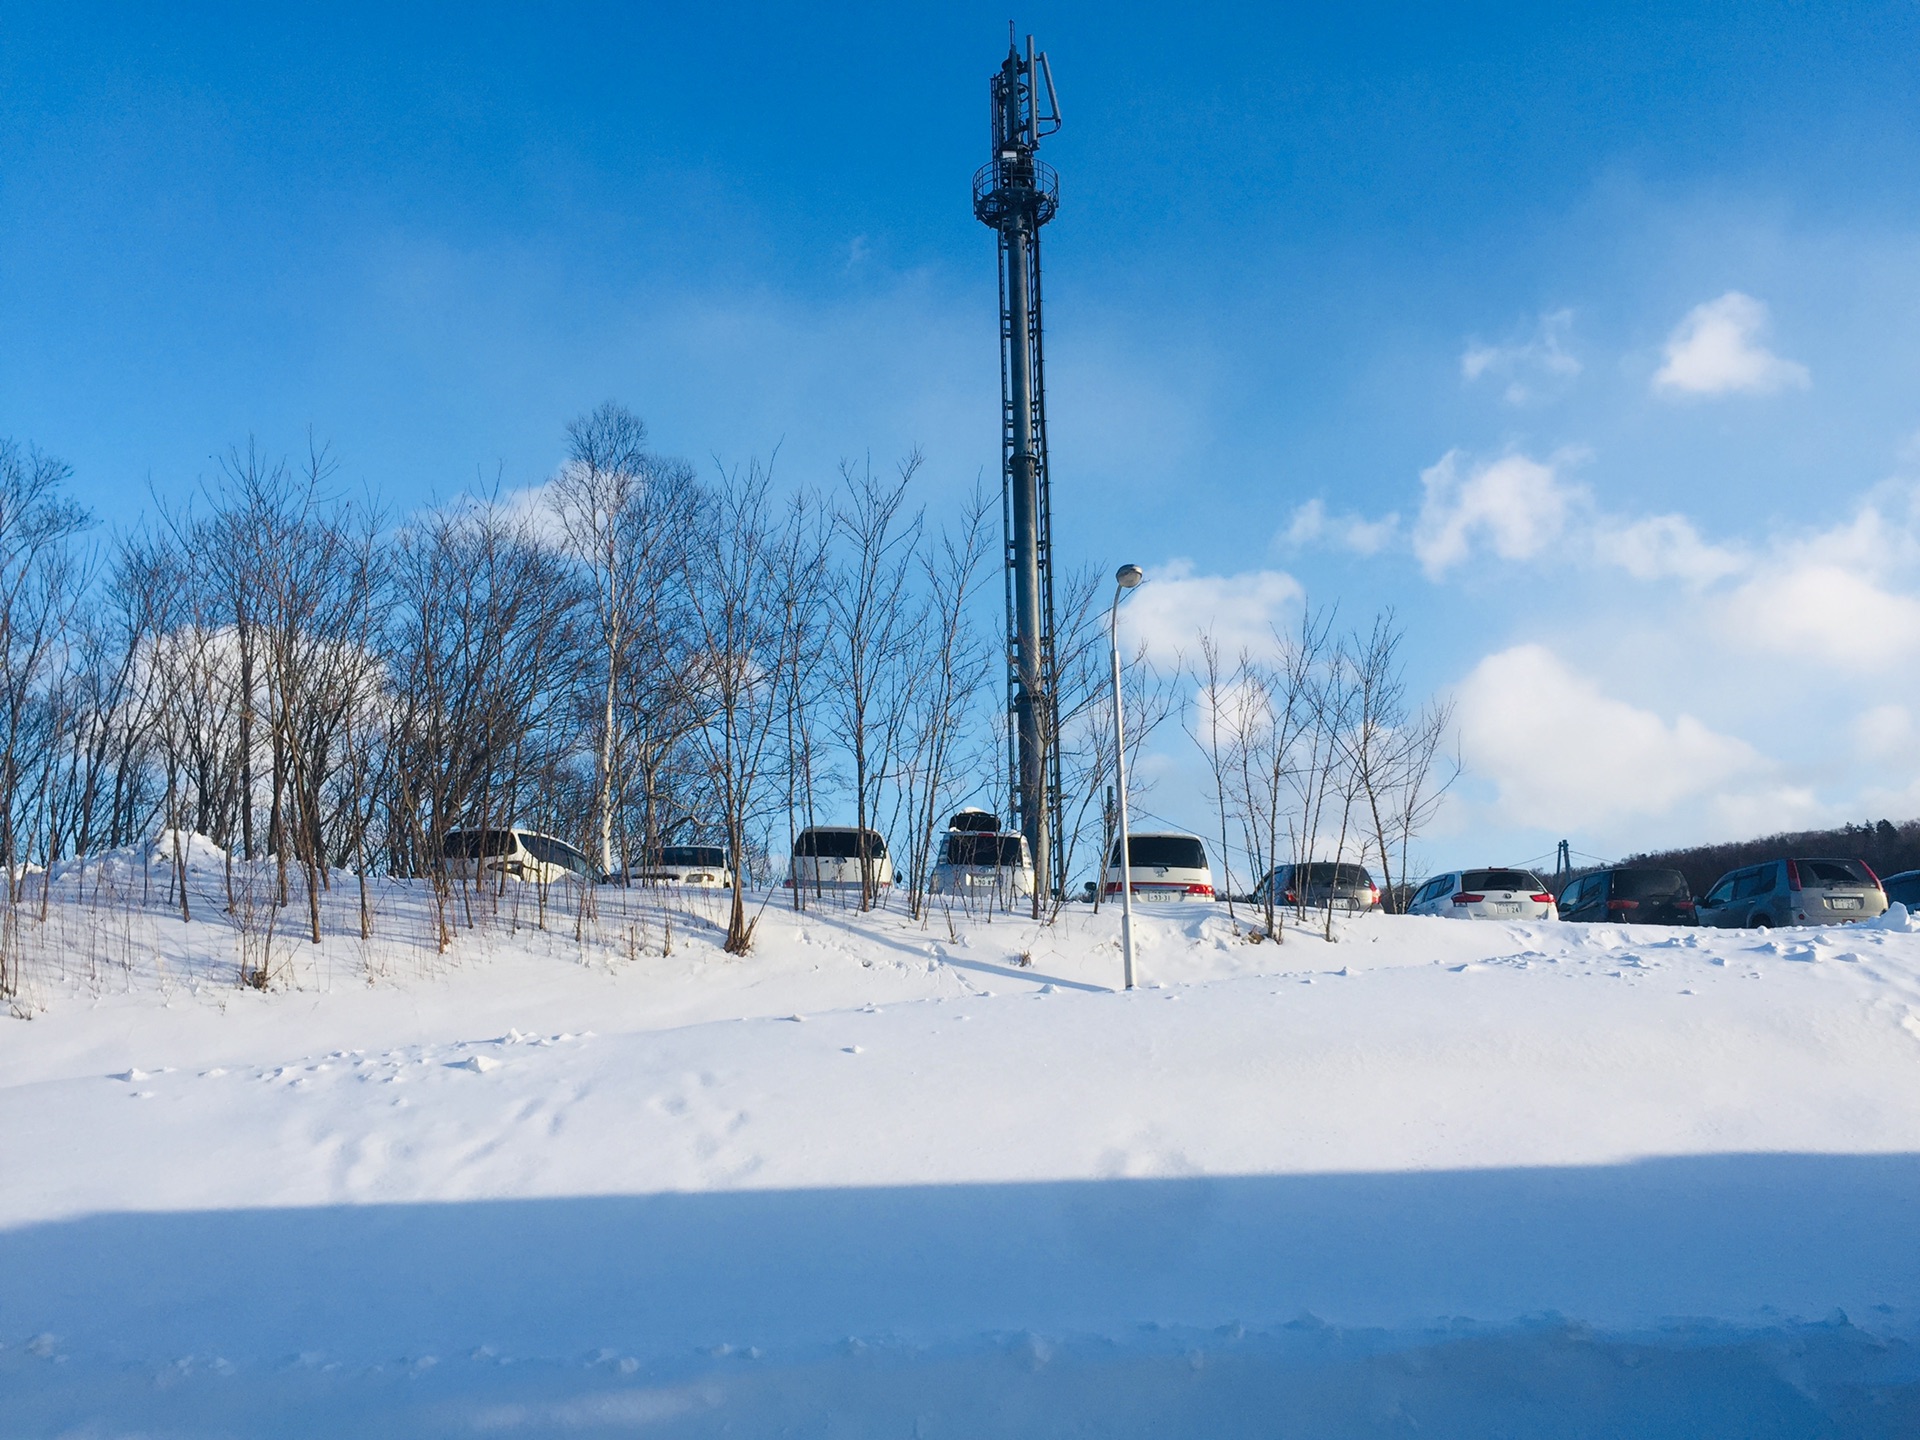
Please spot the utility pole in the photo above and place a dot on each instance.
(1015, 194)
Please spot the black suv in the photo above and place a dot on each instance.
(1630, 896)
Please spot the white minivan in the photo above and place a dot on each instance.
(827, 857)
(517, 854)
(982, 865)
(1165, 867)
(704, 867)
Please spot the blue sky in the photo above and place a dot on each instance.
(1587, 340)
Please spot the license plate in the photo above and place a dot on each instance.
(1843, 902)
(1503, 907)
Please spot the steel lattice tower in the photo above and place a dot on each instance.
(1015, 194)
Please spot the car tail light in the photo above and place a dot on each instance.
(1373, 894)
(1543, 899)
(1683, 904)
(1793, 876)
(1206, 890)
(1290, 899)
(1623, 904)
(1463, 898)
(1871, 876)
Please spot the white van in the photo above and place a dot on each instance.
(517, 854)
(982, 865)
(827, 857)
(1165, 867)
(704, 867)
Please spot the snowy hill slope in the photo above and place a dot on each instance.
(880, 1175)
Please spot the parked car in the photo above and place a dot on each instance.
(983, 864)
(1164, 867)
(1631, 896)
(1794, 892)
(1485, 895)
(701, 866)
(1318, 884)
(827, 857)
(1904, 887)
(517, 854)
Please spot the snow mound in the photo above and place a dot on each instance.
(1895, 918)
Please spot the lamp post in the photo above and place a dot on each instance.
(1125, 578)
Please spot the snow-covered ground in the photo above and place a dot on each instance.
(883, 1177)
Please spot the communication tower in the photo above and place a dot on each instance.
(1015, 195)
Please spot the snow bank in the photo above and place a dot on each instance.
(1895, 917)
(127, 865)
(941, 1179)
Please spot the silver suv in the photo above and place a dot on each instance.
(1794, 892)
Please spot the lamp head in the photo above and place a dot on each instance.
(1128, 576)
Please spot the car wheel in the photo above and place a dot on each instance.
(1763, 921)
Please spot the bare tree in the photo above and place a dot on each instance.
(949, 666)
(40, 583)
(872, 617)
(624, 512)
(1390, 750)
(742, 571)
(1219, 689)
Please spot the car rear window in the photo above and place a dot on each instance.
(1820, 873)
(465, 844)
(1176, 852)
(1649, 885)
(693, 855)
(838, 844)
(1502, 880)
(1326, 872)
(998, 850)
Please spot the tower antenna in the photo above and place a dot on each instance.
(1015, 195)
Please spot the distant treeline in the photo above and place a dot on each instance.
(1887, 847)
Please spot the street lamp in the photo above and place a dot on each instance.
(1125, 578)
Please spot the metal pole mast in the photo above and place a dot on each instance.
(1015, 194)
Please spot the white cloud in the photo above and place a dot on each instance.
(1516, 505)
(1842, 597)
(1886, 732)
(1562, 754)
(1663, 547)
(1817, 614)
(1716, 350)
(1170, 612)
(1311, 524)
(1522, 363)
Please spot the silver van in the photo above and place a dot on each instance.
(1793, 892)
(1319, 884)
